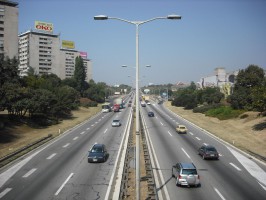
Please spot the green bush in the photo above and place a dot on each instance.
(224, 112)
(90, 104)
(205, 108)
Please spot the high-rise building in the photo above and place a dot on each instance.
(8, 28)
(42, 51)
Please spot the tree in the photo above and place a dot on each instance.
(80, 75)
(248, 82)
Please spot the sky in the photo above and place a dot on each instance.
(212, 33)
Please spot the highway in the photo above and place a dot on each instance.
(59, 170)
(233, 176)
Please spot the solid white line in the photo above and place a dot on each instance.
(235, 166)
(169, 133)
(59, 190)
(191, 133)
(75, 138)
(218, 192)
(66, 145)
(198, 138)
(105, 130)
(5, 192)
(51, 156)
(29, 173)
(185, 153)
(82, 133)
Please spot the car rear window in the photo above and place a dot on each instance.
(189, 171)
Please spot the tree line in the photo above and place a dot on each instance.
(46, 98)
(249, 93)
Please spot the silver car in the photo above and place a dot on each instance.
(116, 123)
(186, 174)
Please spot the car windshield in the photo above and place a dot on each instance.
(189, 171)
(182, 127)
(210, 149)
(97, 149)
(115, 120)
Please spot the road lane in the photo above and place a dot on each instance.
(219, 179)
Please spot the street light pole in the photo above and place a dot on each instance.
(137, 24)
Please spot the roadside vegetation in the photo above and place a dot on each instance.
(44, 100)
(249, 94)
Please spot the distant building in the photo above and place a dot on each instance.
(42, 51)
(221, 79)
(179, 85)
(8, 28)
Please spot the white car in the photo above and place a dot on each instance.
(116, 123)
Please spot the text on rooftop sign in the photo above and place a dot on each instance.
(44, 26)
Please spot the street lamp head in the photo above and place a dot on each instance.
(100, 17)
(124, 66)
(148, 65)
(173, 17)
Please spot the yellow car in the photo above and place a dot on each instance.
(181, 129)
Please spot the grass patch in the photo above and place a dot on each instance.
(224, 112)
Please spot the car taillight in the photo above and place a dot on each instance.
(179, 177)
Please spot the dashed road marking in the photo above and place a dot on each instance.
(87, 128)
(29, 173)
(169, 133)
(235, 166)
(75, 138)
(59, 190)
(105, 130)
(66, 145)
(51, 156)
(220, 195)
(5, 192)
(185, 153)
(191, 133)
(198, 138)
(161, 123)
(82, 132)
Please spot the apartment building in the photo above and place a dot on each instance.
(68, 57)
(8, 28)
(42, 51)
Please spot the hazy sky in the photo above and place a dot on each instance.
(211, 33)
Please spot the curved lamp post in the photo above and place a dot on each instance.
(137, 24)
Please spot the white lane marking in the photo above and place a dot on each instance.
(205, 144)
(96, 122)
(235, 166)
(198, 138)
(75, 138)
(169, 133)
(105, 130)
(29, 173)
(185, 153)
(66, 145)
(82, 132)
(191, 133)
(251, 167)
(87, 128)
(161, 123)
(219, 193)
(5, 192)
(63, 185)
(156, 117)
(51, 156)
(92, 125)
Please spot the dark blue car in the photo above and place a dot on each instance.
(98, 153)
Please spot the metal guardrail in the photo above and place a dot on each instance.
(13, 154)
